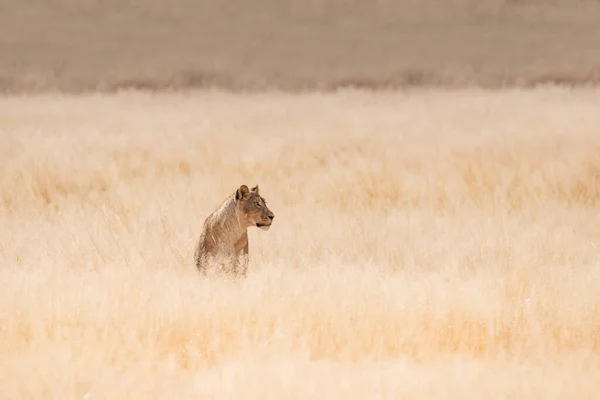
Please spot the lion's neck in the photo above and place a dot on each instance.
(229, 220)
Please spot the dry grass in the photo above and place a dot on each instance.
(426, 245)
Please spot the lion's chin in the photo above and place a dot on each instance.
(264, 227)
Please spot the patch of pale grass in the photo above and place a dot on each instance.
(425, 244)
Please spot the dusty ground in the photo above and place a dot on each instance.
(74, 45)
(426, 245)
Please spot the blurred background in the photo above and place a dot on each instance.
(104, 45)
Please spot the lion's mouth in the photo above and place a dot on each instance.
(264, 227)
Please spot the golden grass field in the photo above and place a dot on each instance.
(427, 244)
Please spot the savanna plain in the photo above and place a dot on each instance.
(426, 244)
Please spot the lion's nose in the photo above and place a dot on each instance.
(271, 217)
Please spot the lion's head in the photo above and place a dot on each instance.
(252, 208)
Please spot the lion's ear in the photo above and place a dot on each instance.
(242, 193)
(255, 189)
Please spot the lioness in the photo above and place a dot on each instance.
(224, 237)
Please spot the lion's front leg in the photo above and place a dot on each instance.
(241, 256)
(242, 261)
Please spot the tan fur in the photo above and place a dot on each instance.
(224, 239)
